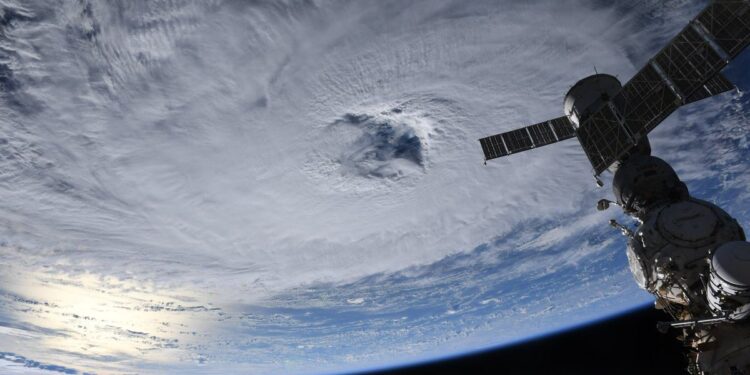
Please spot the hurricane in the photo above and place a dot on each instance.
(296, 186)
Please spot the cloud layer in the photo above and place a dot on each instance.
(299, 182)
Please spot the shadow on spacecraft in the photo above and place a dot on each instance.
(689, 253)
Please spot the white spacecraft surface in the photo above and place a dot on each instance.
(689, 253)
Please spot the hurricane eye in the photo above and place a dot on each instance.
(365, 151)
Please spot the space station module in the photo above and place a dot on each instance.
(694, 257)
(689, 253)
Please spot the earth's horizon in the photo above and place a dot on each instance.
(297, 186)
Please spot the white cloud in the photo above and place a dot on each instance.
(194, 145)
(178, 137)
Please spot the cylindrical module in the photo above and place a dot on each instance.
(668, 254)
(729, 280)
(589, 95)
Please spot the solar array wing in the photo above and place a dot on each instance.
(603, 135)
(728, 22)
(677, 75)
(523, 139)
(717, 85)
(563, 128)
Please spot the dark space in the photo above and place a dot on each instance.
(628, 344)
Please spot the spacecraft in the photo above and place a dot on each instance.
(689, 253)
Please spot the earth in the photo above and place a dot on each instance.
(296, 186)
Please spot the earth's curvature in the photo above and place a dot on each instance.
(297, 187)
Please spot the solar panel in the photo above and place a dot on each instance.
(541, 134)
(686, 70)
(603, 136)
(644, 102)
(526, 138)
(689, 62)
(728, 22)
(563, 128)
(717, 85)
(518, 140)
(493, 147)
